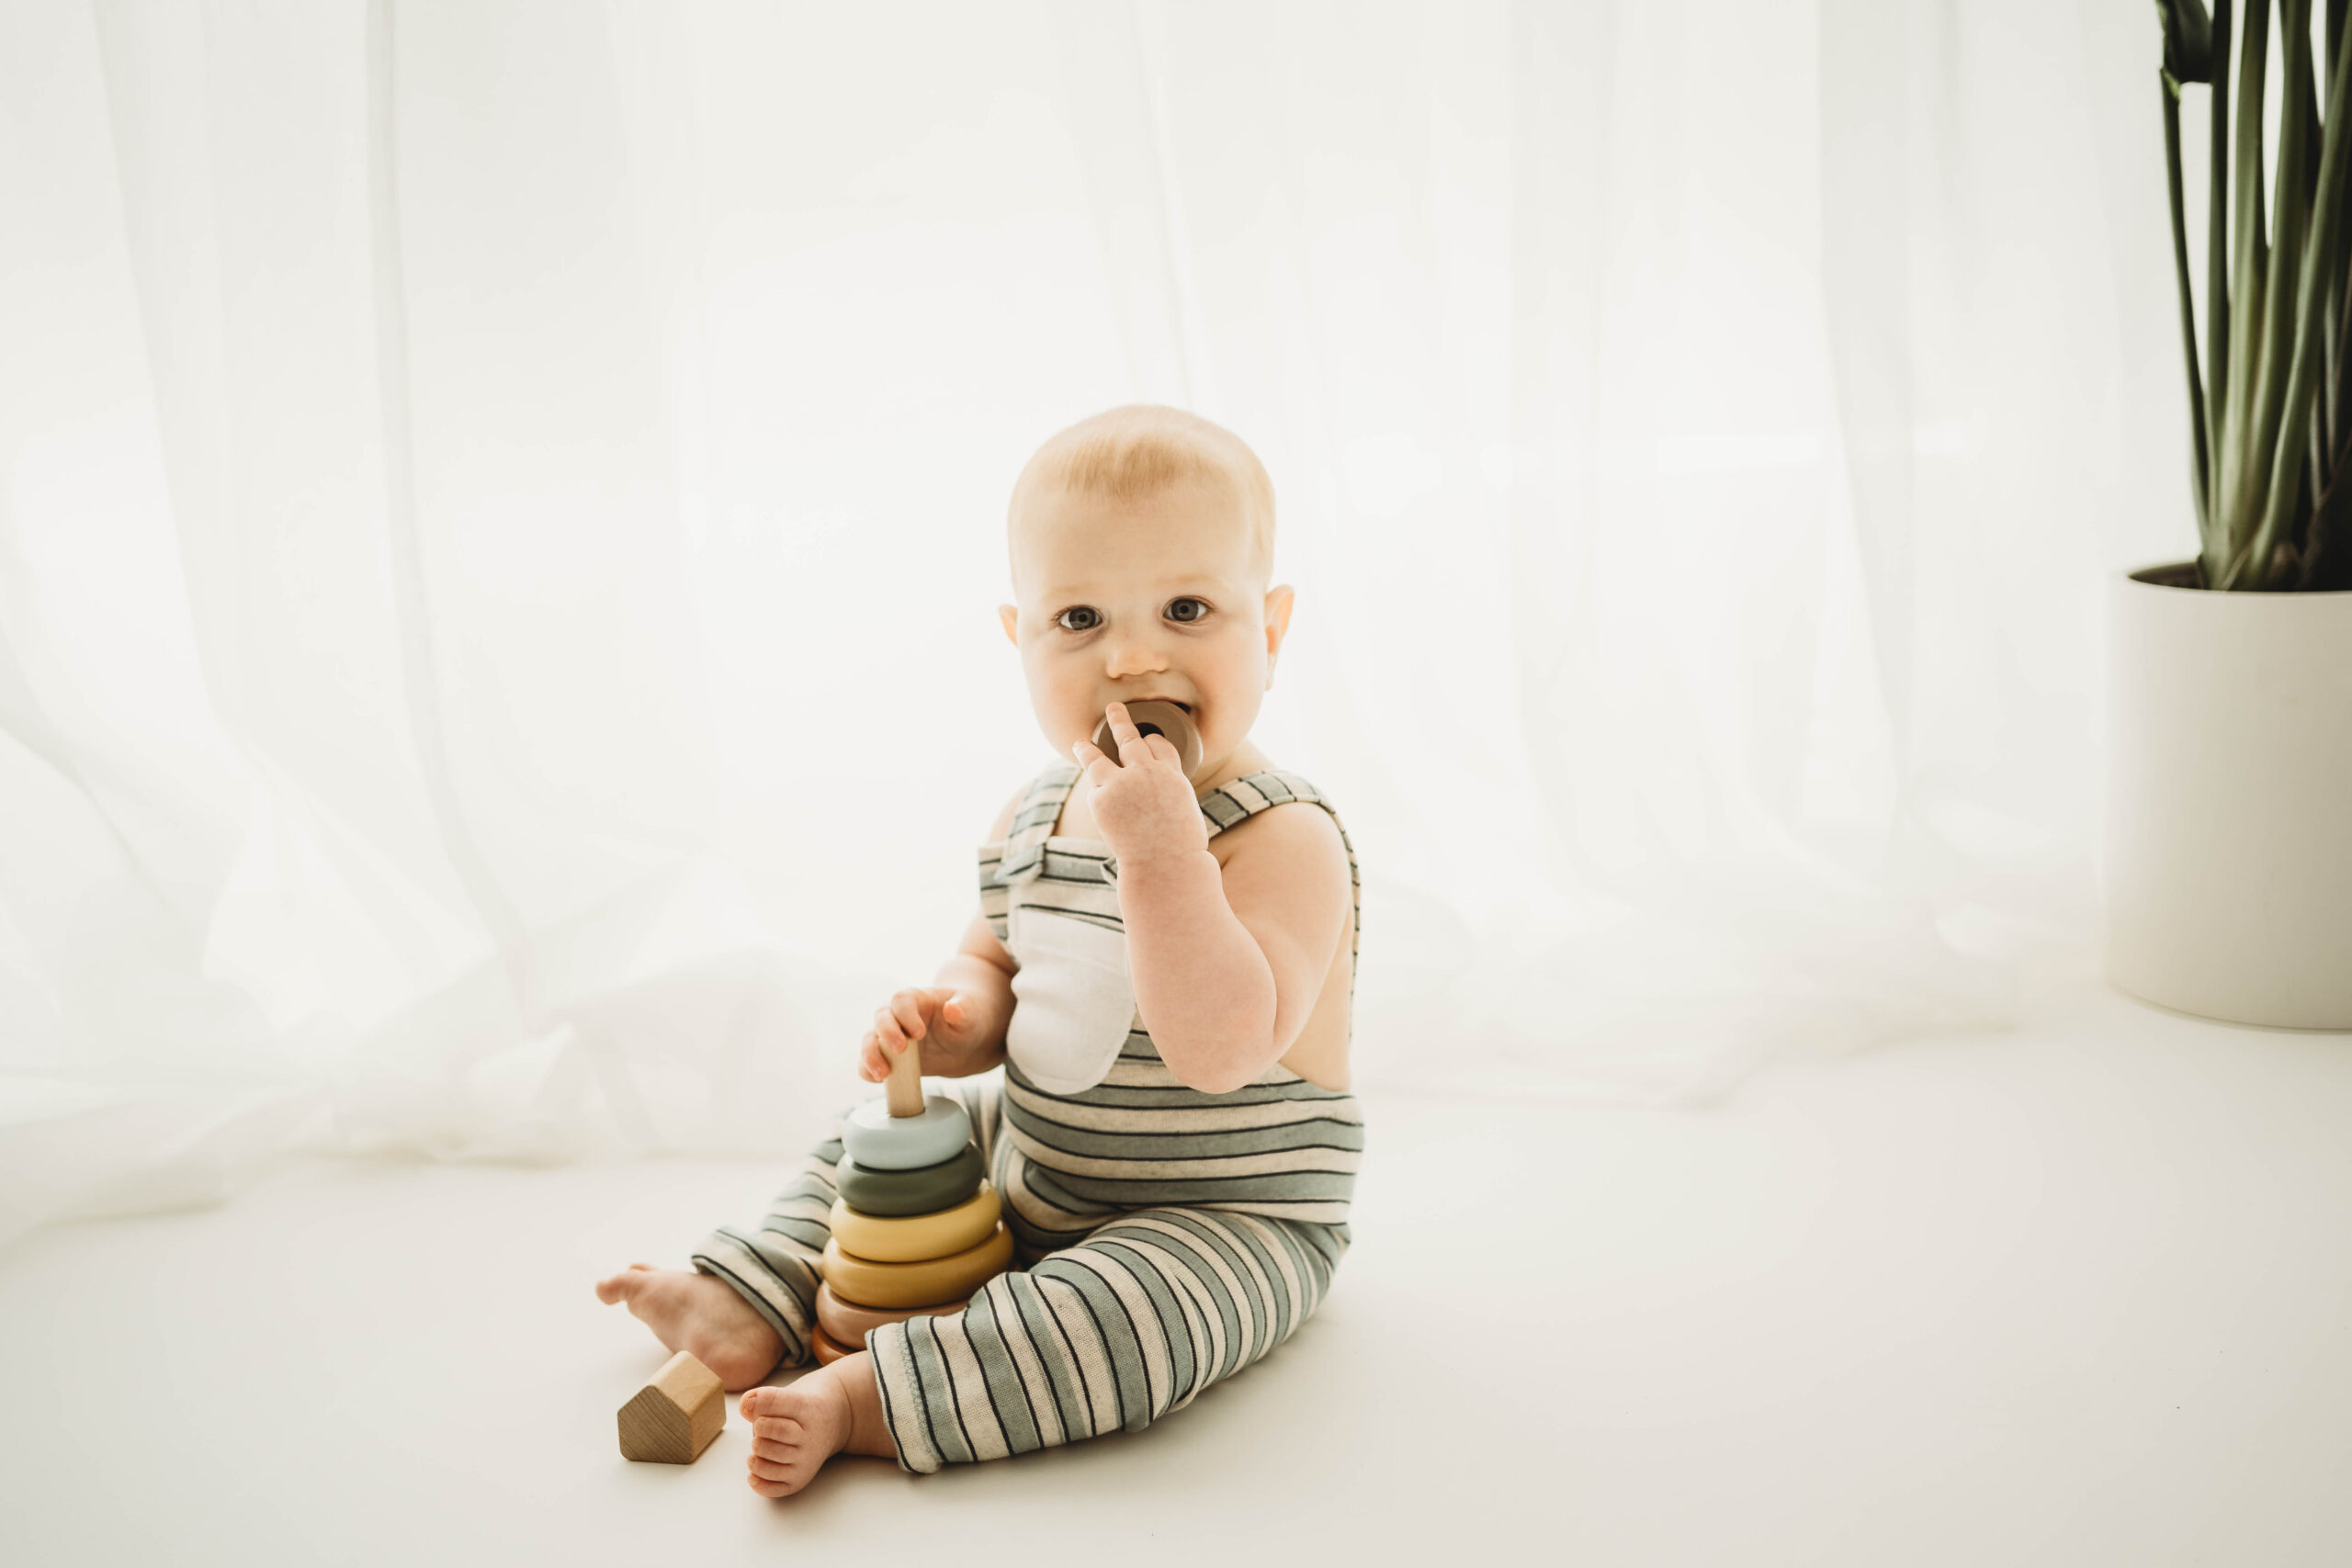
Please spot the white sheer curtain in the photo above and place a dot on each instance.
(503, 517)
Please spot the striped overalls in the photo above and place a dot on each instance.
(1170, 1238)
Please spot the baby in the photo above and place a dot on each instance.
(1163, 966)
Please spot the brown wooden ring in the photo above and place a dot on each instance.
(828, 1349)
(1154, 717)
(848, 1323)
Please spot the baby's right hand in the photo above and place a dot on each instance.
(941, 1020)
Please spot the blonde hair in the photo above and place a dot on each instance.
(1135, 452)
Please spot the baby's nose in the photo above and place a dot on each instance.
(1134, 657)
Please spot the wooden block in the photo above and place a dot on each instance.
(676, 1415)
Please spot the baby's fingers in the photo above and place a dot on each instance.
(890, 1037)
(896, 1031)
(907, 1007)
(1138, 744)
(955, 1014)
(872, 1064)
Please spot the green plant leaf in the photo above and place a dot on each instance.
(2232, 506)
(2188, 40)
(2335, 380)
(2217, 293)
(2319, 242)
(2289, 222)
(2171, 91)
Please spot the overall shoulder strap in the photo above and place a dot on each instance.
(1033, 823)
(1239, 799)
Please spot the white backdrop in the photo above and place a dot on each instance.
(502, 505)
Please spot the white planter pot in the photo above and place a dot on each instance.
(2229, 802)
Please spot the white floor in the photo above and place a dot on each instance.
(2074, 1295)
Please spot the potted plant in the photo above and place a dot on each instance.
(2228, 832)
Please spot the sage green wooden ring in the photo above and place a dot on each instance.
(879, 1141)
(893, 1194)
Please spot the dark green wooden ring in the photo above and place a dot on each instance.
(895, 1194)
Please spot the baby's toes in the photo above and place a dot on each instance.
(774, 1478)
(766, 1403)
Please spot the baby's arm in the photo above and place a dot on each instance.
(1227, 961)
(960, 1017)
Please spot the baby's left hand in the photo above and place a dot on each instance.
(1143, 804)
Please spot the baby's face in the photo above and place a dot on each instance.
(1124, 599)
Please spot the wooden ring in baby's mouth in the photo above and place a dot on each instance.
(1157, 719)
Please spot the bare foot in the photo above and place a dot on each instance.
(794, 1430)
(701, 1314)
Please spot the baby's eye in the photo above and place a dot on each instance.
(1188, 609)
(1078, 618)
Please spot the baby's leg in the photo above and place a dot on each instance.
(748, 1305)
(1105, 1336)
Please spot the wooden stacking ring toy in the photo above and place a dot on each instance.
(892, 1193)
(939, 1257)
(829, 1349)
(848, 1323)
(1155, 719)
(881, 1138)
(868, 1283)
(917, 1237)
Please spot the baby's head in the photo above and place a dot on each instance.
(1142, 541)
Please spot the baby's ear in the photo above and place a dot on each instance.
(1011, 615)
(1278, 606)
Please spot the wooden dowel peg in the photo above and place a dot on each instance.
(905, 1086)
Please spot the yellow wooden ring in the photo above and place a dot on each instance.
(868, 1283)
(829, 1349)
(848, 1323)
(917, 1237)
